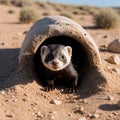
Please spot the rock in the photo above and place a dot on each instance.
(52, 112)
(82, 118)
(62, 90)
(118, 103)
(97, 111)
(11, 115)
(82, 110)
(19, 33)
(51, 115)
(25, 94)
(114, 46)
(114, 113)
(13, 97)
(4, 44)
(117, 70)
(2, 92)
(105, 36)
(83, 101)
(25, 32)
(115, 59)
(69, 114)
(39, 114)
(103, 46)
(33, 104)
(56, 102)
(111, 98)
(93, 116)
(24, 99)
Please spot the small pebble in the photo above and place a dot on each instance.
(82, 118)
(9, 115)
(114, 113)
(103, 46)
(52, 112)
(111, 98)
(2, 92)
(51, 117)
(105, 36)
(13, 97)
(56, 102)
(83, 100)
(62, 90)
(25, 32)
(117, 70)
(69, 114)
(82, 109)
(93, 116)
(39, 114)
(19, 33)
(4, 44)
(114, 59)
(26, 94)
(25, 100)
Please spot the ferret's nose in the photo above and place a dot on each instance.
(55, 63)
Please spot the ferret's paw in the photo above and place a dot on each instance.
(73, 90)
(49, 88)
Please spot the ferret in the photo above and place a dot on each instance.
(56, 64)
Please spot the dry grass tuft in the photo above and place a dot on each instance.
(28, 14)
(21, 3)
(5, 2)
(11, 11)
(67, 14)
(89, 9)
(107, 18)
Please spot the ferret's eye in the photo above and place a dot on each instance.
(63, 57)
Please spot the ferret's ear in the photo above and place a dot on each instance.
(69, 50)
(43, 49)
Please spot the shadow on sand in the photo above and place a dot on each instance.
(90, 27)
(108, 107)
(9, 74)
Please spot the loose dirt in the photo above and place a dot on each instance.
(29, 102)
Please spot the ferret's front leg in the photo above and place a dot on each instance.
(73, 87)
(50, 86)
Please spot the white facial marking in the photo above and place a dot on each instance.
(66, 51)
(57, 67)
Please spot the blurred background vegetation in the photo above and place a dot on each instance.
(32, 10)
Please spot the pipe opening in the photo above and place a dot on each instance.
(80, 57)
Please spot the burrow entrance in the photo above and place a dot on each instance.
(80, 57)
(61, 30)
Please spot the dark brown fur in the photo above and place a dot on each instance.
(67, 76)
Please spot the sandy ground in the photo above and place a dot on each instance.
(29, 102)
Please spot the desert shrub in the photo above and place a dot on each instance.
(5, 2)
(28, 14)
(41, 4)
(67, 14)
(46, 13)
(76, 11)
(89, 9)
(21, 3)
(107, 18)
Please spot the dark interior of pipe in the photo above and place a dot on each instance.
(79, 53)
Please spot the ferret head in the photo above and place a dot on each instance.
(56, 57)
